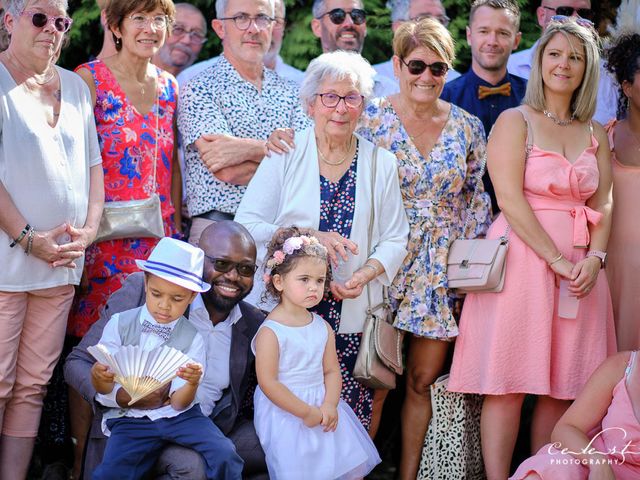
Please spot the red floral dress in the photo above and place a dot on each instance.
(128, 144)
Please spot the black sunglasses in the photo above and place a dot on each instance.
(223, 266)
(569, 11)
(417, 67)
(339, 15)
(40, 20)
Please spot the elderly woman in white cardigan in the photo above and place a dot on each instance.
(325, 183)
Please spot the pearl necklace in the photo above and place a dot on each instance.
(340, 162)
(557, 121)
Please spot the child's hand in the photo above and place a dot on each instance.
(329, 417)
(102, 379)
(191, 372)
(313, 417)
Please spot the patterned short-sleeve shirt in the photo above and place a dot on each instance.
(220, 101)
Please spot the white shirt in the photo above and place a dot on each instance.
(148, 341)
(46, 173)
(385, 69)
(285, 71)
(607, 101)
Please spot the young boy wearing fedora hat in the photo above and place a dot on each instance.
(173, 278)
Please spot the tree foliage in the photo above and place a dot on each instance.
(299, 45)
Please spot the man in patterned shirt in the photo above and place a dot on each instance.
(228, 111)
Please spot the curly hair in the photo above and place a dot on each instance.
(623, 61)
(291, 259)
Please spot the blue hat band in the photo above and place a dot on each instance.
(176, 272)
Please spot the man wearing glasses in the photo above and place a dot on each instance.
(403, 11)
(182, 47)
(342, 25)
(272, 59)
(227, 324)
(520, 62)
(228, 111)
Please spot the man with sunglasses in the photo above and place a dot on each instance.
(228, 111)
(409, 10)
(227, 324)
(342, 25)
(182, 47)
(520, 62)
(487, 89)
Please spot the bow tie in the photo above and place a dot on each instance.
(159, 330)
(504, 89)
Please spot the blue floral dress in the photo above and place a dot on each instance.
(337, 206)
(436, 191)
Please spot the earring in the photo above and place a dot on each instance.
(118, 42)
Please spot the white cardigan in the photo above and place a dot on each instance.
(285, 191)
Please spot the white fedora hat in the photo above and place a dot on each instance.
(177, 262)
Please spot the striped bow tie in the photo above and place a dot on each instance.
(504, 89)
(159, 330)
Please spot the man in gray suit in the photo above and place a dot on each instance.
(227, 323)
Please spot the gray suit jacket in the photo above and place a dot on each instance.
(77, 368)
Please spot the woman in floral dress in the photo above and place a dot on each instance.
(439, 149)
(134, 106)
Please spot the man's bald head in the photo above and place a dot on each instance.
(227, 233)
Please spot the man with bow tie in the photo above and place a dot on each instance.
(487, 89)
(226, 323)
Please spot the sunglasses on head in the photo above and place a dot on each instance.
(339, 15)
(583, 22)
(417, 67)
(224, 266)
(569, 11)
(40, 20)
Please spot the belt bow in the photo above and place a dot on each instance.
(583, 215)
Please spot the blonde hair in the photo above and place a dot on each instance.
(583, 102)
(426, 33)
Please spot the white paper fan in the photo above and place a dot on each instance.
(141, 372)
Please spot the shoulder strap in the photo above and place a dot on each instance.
(591, 127)
(529, 139)
(630, 366)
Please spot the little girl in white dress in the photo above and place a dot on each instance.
(306, 431)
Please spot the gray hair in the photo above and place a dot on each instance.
(336, 66)
(193, 9)
(221, 7)
(399, 10)
(16, 7)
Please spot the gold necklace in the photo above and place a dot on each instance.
(556, 120)
(335, 164)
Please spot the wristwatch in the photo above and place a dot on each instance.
(601, 255)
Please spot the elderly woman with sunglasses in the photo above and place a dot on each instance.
(439, 150)
(326, 183)
(51, 195)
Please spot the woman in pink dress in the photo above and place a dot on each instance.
(550, 167)
(599, 436)
(623, 60)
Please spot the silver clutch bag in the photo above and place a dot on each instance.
(131, 219)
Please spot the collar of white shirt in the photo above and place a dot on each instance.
(199, 316)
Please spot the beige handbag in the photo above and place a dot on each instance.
(379, 359)
(134, 218)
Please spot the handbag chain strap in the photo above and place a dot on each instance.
(385, 294)
(155, 154)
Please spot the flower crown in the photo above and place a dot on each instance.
(309, 245)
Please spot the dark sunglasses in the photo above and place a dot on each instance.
(417, 67)
(569, 11)
(40, 20)
(339, 15)
(223, 266)
(583, 22)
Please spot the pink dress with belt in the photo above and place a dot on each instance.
(619, 427)
(514, 341)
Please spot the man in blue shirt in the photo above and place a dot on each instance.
(487, 89)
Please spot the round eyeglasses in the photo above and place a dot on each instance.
(140, 21)
(331, 100)
(339, 15)
(39, 20)
(243, 21)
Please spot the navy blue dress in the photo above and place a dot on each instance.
(337, 206)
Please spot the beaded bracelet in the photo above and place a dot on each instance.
(557, 259)
(24, 231)
(29, 242)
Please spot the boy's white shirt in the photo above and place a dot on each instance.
(148, 341)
